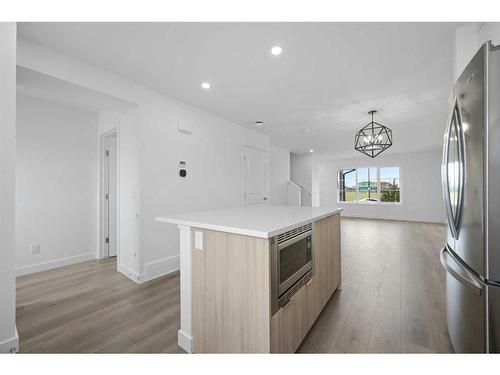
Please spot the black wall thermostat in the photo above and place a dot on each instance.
(182, 169)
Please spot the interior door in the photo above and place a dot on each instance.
(110, 182)
(255, 171)
(112, 201)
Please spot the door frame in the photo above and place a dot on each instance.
(103, 251)
(268, 173)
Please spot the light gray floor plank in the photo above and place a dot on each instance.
(399, 306)
(90, 307)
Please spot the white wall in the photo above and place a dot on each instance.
(280, 174)
(8, 334)
(55, 184)
(129, 237)
(150, 148)
(421, 192)
(213, 153)
(469, 38)
(301, 173)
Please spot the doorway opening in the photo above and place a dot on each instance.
(109, 195)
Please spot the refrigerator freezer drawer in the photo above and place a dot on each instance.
(465, 300)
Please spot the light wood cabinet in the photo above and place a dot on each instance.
(312, 300)
(231, 292)
(231, 289)
(327, 257)
(290, 324)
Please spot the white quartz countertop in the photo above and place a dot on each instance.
(255, 221)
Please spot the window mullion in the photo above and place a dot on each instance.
(357, 190)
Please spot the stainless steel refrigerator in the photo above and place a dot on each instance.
(471, 187)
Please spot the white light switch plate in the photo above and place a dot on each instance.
(198, 240)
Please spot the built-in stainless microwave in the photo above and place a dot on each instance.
(291, 263)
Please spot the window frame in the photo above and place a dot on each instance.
(378, 202)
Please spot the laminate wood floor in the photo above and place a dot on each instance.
(393, 292)
(392, 300)
(91, 308)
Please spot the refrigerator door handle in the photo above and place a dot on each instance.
(460, 274)
(444, 173)
(454, 220)
(461, 168)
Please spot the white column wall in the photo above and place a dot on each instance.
(8, 335)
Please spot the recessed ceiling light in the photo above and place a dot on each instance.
(205, 85)
(311, 150)
(259, 124)
(276, 50)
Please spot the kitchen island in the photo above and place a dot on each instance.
(231, 296)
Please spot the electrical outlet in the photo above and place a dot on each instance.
(35, 248)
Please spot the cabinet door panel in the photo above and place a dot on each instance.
(312, 298)
(327, 257)
(290, 324)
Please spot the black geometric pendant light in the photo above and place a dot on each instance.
(373, 138)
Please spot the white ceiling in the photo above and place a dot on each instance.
(316, 94)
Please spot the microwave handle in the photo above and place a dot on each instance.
(292, 240)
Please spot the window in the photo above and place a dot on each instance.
(389, 184)
(369, 185)
(347, 185)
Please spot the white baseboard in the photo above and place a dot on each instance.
(139, 279)
(425, 221)
(25, 270)
(185, 341)
(161, 267)
(152, 270)
(10, 345)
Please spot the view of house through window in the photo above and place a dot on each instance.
(369, 185)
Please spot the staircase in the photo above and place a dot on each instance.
(298, 195)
